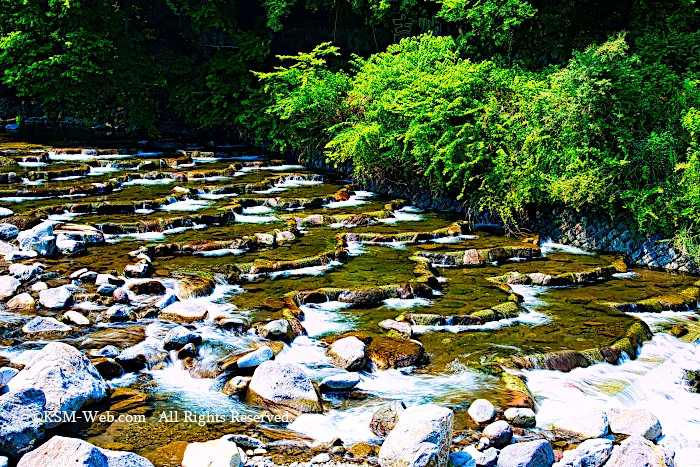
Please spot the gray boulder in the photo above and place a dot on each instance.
(26, 272)
(8, 231)
(21, 421)
(637, 451)
(421, 438)
(56, 298)
(118, 314)
(70, 247)
(61, 451)
(39, 238)
(481, 411)
(41, 325)
(348, 353)
(255, 358)
(521, 417)
(180, 336)
(284, 389)
(278, 329)
(531, 454)
(106, 289)
(582, 424)
(486, 458)
(67, 378)
(340, 382)
(386, 417)
(8, 286)
(590, 453)
(498, 433)
(639, 422)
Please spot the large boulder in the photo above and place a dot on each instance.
(84, 234)
(639, 422)
(498, 433)
(531, 454)
(284, 389)
(39, 239)
(8, 286)
(8, 231)
(521, 417)
(21, 421)
(180, 336)
(26, 272)
(184, 312)
(61, 451)
(69, 247)
(386, 417)
(67, 378)
(193, 287)
(56, 298)
(222, 452)
(421, 438)
(255, 358)
(582, 424)
(278, 330)
(41, 326)
(481, 411)
(348, 353)
(590, 453)
(637, 451)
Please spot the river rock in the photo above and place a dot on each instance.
(8, 232)
(637, 451)
(486, 458)
(481, 411)
(521, 417)
(278, 329)
(6, 374)
(43, 325)
(400, 327)
(498, 433)
(348, 353)
(85, 234)
(76, 318)
(236, 385)
(62, 451)
(106, 351)
(530, 454)
(106, 289)
(590, 453)
(67, 378)
(188, 351)
(8, 286)
(582, 424)
(167, 300)
(255, 358)
(386, 417)
(339, 382)
(21, 420)
(386, 352)
(118, 314)
(283, 388)
(421, 438)
(149, 287)
(222, 452)
(70, 247)
(461, 459)
(639, 422)
(104, 279)
(194, 287)
(184, 312)
(140, 269)
(180, 336)
(88, 277)
(687, 457)
(26, 272)
(56, 298)
(39, 238)
(23, 301)
(39, 286)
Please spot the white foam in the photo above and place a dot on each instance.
(357, 199)
(71, 177)
(220, 252)
(405, 214)
(548, 247)
(273, 168)
(144, 211)
(19, 199)
(454, 239)
(257, 210)
(26, 181)
(322, 319)
(187, 205)
(404, 303)
(254, 219)
(32, 164)
(624, 275)
(307, 271)
(216, 196)
(148, 181)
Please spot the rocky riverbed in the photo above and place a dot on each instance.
(198, 307)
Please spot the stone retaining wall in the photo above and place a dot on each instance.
(590, 231)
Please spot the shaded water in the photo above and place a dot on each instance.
(460, 361)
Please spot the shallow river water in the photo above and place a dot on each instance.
(179, 201)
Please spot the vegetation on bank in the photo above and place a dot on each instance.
(509, 103)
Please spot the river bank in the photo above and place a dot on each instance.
(179, 288)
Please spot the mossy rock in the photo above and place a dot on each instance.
(389, 352)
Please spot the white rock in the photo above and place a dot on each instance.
(39, 238)
(486, 458)
(521, 417)
(8, 231)
(255, 358)
(25, 272)
(4, 212)
(530, 454)
(44, 325)
(637, 451)
(639, 422)
(62, 451)
(8, 287)
(6, 374)
(69, 247)
(284, 389)
(221, 452)
(56, 298)
(590, 453)
(583, 424)
(76, 318)
(21, 420)
(422, 437)
(481, 411)
(340, 381)
(39, 286)
(66, 376)
(498, 433)
(348, 353)
(186, 312)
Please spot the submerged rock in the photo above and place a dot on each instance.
(67, 378)
(421, 438)
(348, 353)
(21, 420)
(388, 352)
(634, 422)
(222, 452)
(529, 454)
(386, 417)
(56, 298)
(283, 389)
(637, 451)
(149, 287)
(62, 451)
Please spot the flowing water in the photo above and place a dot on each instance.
(465, 360)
